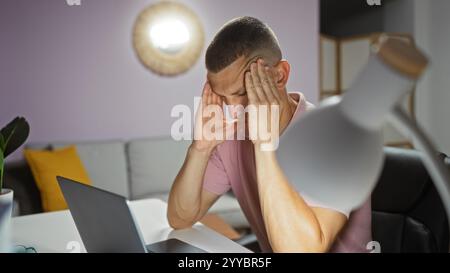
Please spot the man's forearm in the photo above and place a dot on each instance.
(184, 203)
(291, 224)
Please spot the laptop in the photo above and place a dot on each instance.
(106, 223)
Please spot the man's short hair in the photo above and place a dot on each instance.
(239, 37)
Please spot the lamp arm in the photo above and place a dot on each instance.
(436, 168)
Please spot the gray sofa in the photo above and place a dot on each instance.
(136, 169)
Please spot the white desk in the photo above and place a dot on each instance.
(52, 232)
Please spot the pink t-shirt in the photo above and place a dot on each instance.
(232, 166)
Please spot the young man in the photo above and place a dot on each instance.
(245, 67)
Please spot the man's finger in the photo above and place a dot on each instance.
(208, 95)
(215, 98)
(273, 86)
(204, 94)
(282, 95)
(265, 83)
(252, 97)
(219, 101)
(257, 83)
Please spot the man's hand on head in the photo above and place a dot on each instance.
(271, 103)
(211, 128)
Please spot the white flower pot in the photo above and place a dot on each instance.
(6, 202)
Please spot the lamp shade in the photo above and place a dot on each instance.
(329, 158)
(334, 153)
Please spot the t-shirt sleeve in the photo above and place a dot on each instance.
(302, 106)
(215, 179)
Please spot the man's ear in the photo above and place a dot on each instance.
(282, 71)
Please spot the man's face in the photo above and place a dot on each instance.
(229, 82)
(229, 85)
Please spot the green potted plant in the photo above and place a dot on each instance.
(12, 136)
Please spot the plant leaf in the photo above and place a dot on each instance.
(15, 134)
(8, 129)
(8, 138)
(2, 143)
(2, 159)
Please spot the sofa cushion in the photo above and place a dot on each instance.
(154, 164)
(105, 163)
(47, 165)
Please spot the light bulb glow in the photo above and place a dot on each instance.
(169, 35)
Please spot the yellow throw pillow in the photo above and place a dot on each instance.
(46, 165)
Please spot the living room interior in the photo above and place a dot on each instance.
(99, 108)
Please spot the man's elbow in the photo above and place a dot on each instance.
(177, 223)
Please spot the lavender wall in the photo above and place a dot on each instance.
(73, 73)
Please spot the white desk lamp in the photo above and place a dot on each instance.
(335, 153)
